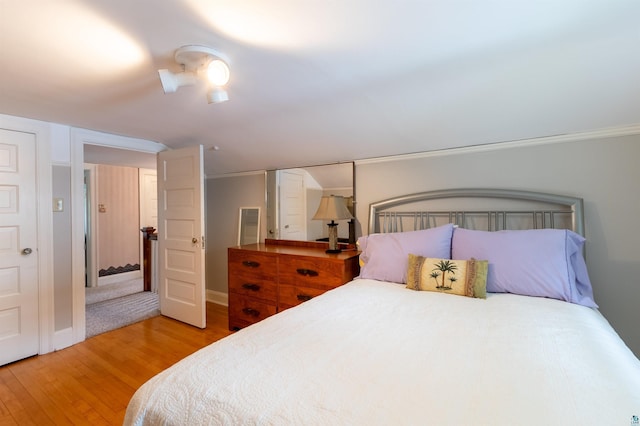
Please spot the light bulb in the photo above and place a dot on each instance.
(218, 72)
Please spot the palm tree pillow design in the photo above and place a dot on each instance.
(461, 277)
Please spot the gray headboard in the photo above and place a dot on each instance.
(488, 209)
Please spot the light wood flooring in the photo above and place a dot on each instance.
(92, 382)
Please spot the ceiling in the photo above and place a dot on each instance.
(319, 82)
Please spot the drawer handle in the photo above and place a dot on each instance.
(251, 312)
(304, 297)
(250, 263)
(251, 286)
(307, 272)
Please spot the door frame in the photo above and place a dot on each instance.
(89, 215)
(80, 137)
(43, 136)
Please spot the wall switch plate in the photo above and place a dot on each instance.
(58, 204)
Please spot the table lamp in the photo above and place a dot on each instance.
(332, 207)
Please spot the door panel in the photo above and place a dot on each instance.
(181, 235)
(19, 336)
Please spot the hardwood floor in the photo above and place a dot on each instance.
(92, 382)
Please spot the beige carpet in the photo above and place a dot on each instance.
(111, 291)
(116, 305)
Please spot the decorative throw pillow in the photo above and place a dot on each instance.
(461, 277)
(384, 256)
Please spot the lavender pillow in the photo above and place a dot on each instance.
(385, 257)
(540, 262)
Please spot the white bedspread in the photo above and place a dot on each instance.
(377, 353)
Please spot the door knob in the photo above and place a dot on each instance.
(194, 240)
(26, 251)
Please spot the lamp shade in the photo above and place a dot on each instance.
(332, 207)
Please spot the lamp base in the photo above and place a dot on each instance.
(333, 238)
(333, 251)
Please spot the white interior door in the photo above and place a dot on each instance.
(293, 218)
(148, 198)
(19, 336)
(181, 235)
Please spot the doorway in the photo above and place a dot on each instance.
(118, 188)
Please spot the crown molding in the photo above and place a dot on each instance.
(237, 174)
(613, 132)
(93, 137)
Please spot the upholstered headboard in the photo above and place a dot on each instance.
(488, 209)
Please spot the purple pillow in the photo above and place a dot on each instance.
(385, 257)
(536, 262)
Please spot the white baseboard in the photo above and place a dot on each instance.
(218, 297)
(116, 278)
(63, 339)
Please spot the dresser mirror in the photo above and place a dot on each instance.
(293, 197)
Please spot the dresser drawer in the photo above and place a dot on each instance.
(253, 286)
(265, 278)
(311, 272)
(292, 295)
(252, 263)
(244, 311)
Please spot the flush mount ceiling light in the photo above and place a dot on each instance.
(198, 63)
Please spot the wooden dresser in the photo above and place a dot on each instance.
(269, 277)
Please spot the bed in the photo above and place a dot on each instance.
(527, 346)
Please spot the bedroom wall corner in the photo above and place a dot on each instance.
(602, 171)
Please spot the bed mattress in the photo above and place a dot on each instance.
(373, 352)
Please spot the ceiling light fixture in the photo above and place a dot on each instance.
(198, 62)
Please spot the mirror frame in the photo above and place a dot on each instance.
(242, 226)
(273, 191)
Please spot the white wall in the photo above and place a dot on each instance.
(62, 267)
(604, 172)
